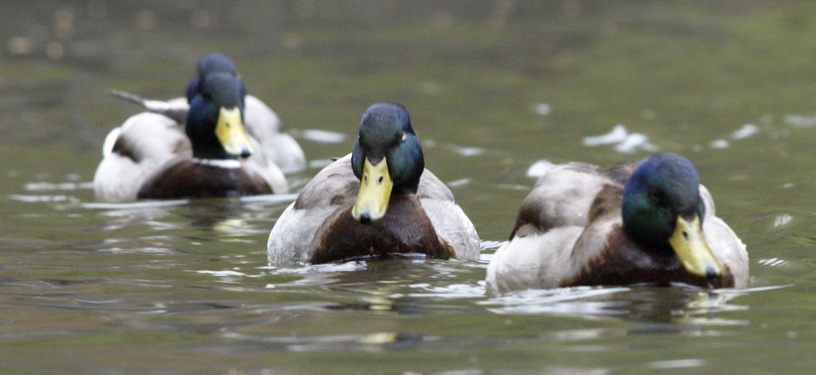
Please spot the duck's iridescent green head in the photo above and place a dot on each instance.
(211, 63)
(663, 211)
(215, 122)
(387, 158)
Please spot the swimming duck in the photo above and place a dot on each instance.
(152, 156)
(646, 221)
(260, 121)
(211, 63)
(378, 200)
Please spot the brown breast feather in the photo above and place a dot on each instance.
(405, 228)
(190, 179)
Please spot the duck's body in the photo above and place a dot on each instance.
(332, 220)
(571, 231)
(262, 124)
(155, 156)
(260, 121)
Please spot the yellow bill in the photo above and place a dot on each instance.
(375, 192)
(231, 133)
(690, 246)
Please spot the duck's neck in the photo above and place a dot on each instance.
(209, 148)
(210, 153)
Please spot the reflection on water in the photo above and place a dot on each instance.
(569, 302)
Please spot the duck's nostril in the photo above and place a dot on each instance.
(365, 218)
(711, 273)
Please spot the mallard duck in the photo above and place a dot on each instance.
(646, 221)
(378, 200)
(261, 122)
(211, 63)
(210, 155)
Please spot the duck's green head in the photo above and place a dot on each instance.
(215, 123)
(663, 210)
(387, 158)
(211, 63)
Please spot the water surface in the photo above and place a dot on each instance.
(492, 88)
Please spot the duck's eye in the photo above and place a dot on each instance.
(656, 196)
(207, 96)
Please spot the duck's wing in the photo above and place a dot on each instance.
(136, 151)
(333, 185)
(280, 148)
(291, 241)
(453, 226)
(448, 219)
(270, 172)
(431, 187)
(292, 238)
(724, 243)
(561, 197)
(564, 253)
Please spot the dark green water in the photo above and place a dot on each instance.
(492, 87)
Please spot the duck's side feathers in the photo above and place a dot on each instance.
(110, 141)
(606, 204)
(280, 148)
(151, 136)
(118, 178)
(538, 261)
(291, 241)
(453, 227)
(271, 174)
(560, 198)
(259, 164)
(432, 187)
(731, 251)
(335, 184)
(728, 248)
(293, 238)
(134, 152)
(621, 172)
(708, 200)
(284, 151)
(450, 222)
(265, 121)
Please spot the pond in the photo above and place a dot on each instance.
(493, 89)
